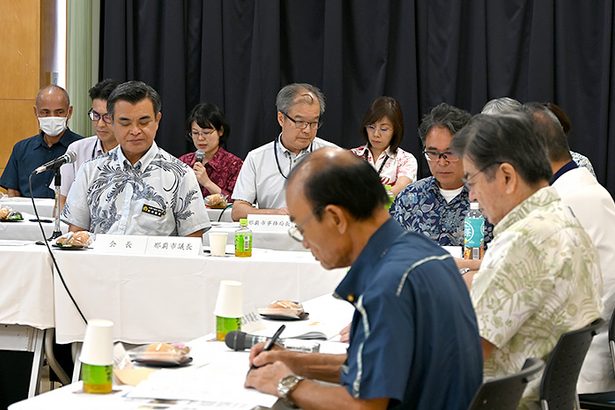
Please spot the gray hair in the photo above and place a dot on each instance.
(489, 140)
(500, 106)
(445, 116)
(297, 92)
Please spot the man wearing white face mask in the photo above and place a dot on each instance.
(52, 110)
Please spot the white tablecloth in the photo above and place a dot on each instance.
(44, 206)
(159, 298)
(219, 215)
(280, 241)
(28, 230)
(208, 356)
(26, 286)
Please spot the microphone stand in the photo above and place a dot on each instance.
(56, 206)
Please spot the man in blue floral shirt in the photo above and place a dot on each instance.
(138, 188)
(437, 205)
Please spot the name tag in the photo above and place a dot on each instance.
(152, 210)
(173, 245)
(269, 223)
(124, 244)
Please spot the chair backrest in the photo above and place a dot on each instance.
(612, 339)
(504, 393)
(559, 380)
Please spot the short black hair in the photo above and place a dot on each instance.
(208, 115)
(446, 116)
(385, 107)
(548, 127)
(133, 92)
(508, 138)
(352, 184)
(103, 89)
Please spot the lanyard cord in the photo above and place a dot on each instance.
(277, 161)
(386, 158)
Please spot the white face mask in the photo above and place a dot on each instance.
(52, 126)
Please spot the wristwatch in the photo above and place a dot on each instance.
(286, 385)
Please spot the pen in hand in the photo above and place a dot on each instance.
(271, 342)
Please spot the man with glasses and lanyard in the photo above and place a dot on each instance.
(265, 170)
(437, 205)
(94, 146)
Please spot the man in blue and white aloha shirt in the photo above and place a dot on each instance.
(138, 188)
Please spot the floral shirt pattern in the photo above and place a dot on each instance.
(158, 196)
(420, 207)
(394, 164)
(583, 161)
(223, 170)
(539, 279)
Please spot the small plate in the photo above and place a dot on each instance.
(11, 220)
(158, 363)
(304, 316)
(70, 247)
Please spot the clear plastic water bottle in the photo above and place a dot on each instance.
(243, 239)
(474, 233)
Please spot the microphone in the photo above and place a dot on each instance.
(199, 155)
(67, 158)
(238, 341)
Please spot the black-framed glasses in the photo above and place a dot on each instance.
(296, 231)
(301, 125)
(467, 179)
(433, 155)
(96, 116)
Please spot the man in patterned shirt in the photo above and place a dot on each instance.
(138, 188)
(540, 277)
(437, 205)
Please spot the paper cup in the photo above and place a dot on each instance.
(230, 299)
(217, 243)
(98, 343)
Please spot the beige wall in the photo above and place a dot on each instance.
(26, 30)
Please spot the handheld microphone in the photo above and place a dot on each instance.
(67, 158)
(239, 341)
(199, 155)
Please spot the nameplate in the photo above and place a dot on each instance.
(173, 246)
(121, 244)
(269, 223)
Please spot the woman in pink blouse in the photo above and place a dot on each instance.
(383, 129)
(216, 169)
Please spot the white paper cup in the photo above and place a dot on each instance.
(230, 299)
(98, 343)
(217, 243)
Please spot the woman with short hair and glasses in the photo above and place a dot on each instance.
(382, 129)
(437, 205)
(216, 169)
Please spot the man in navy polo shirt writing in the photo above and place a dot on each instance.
(414, 339)
(52, 110)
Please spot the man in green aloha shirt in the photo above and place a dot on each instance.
(540, 277)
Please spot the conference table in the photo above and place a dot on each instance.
(277, 240)
(213, 380)
(44, 206)
(29, 229)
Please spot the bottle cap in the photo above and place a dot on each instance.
(474, 205)
(243, 222)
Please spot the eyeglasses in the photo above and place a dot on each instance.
(301, 125)
(467, 180)
(432, 155)
(196, 134)
(96, 116)
(372, 128)
(296, 231)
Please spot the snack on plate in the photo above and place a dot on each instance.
(284, 310)
(216, 201)
(79, 239)
(14, 216)
(4, 213)
(161, 353)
